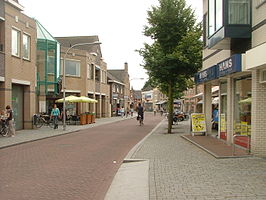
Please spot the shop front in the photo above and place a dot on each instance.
(234, 101)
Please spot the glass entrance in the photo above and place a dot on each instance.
(17, 105)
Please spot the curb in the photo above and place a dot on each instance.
(211, 153)
(63, 133)
(134, 150)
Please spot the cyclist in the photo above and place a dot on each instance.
(10, 122)
(54, 115)
(140, 113)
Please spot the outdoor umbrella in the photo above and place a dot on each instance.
(247, 100)
(70, 99)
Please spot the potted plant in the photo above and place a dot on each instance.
(82, 118)
(93, 117)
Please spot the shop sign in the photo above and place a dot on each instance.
(198, 123)
(206, 75)
(230, 65)
(115, 95)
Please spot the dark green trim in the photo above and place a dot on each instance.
(257, 26)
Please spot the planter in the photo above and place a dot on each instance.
(82, 119)
(93, 118)
(88, 118)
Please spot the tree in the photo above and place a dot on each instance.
(175, 54)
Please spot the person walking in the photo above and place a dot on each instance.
(10, 121)
(140, 112)
(54, 115)
(122, 111)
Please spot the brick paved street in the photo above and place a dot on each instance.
(74, 166)
(180, 170)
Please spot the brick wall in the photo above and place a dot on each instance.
(258, 128)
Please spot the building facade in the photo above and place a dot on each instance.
(86, 74)
(120, 88)
(232, 32)
(17, 62)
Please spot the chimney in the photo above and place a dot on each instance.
(126, 67)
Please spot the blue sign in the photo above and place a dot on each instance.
(230, 65)
(206, 75)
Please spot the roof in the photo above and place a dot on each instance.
(71, 40)
(119, 74)
(42, 33)
(113, 78)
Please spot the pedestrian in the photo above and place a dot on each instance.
(131, 112)
(140, 110)
(122, 111)
(161, 111)
(54, 115)
(215, 118)
(154, 111)
(10, 121)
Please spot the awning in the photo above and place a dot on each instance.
(160, 102)
(247, 101)
(215, 100)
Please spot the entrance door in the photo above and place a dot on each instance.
(17, 105)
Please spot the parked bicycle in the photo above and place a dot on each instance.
(4, 128)
(40, 120)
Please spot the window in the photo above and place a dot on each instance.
(72, 68)
(51, 64)
(26, 46)
(15, 42)
(215, 16)
(90, 71)
(263, 76)
(97, 74)
(239, 12)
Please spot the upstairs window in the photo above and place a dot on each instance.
(26, 47)
(73, 68)
(215, 16)
(238, 11)
(15, 42)
(90, 71)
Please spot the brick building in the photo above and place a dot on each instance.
(17, 62)
(234, 39)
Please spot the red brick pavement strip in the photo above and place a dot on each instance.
(70, 167)
(216, 147)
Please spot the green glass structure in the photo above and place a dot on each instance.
(48, 62)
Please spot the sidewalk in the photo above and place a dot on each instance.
(166, 166)
(24, 136)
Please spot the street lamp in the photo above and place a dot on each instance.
(64, 77)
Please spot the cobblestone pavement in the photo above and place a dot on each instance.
(180, 170)
(77, 166)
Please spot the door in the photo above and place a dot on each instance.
(17, 105)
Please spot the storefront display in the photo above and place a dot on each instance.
(223, 110)
(242, 109)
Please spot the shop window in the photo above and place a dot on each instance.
(223, 110)
(72, 68)
(15, 42)
(242, 104)
(26, 47)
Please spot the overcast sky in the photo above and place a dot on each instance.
(118, 23)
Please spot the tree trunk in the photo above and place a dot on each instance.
(170, 107)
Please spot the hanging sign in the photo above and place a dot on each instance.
(198, 123)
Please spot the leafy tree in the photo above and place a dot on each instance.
(175, 54)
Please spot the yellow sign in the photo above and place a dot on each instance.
(198, 122)
(223, 123)
(244, 128)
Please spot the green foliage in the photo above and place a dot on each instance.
(175, 54)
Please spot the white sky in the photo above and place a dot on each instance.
(118, 23)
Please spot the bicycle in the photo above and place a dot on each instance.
(43, 119)
(4, 128)
(140, 119)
